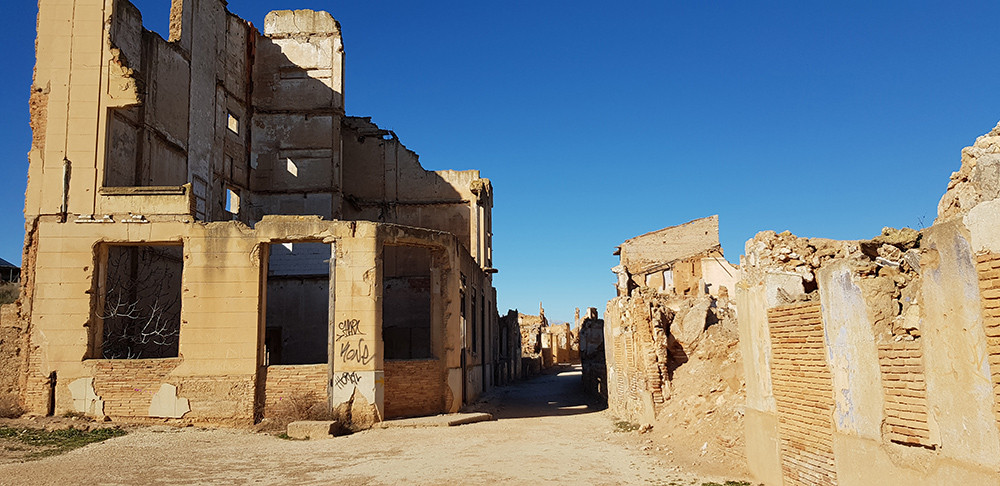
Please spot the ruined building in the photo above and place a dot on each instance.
(878, 361)
(672, 284)
(210, 237)
(592, 355)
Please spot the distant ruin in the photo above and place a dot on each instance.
(672, 284)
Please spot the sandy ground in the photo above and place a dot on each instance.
(546, 432)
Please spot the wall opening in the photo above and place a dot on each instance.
(140, 302)
(298, 303)
(406, 302)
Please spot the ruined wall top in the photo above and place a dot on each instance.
(670, 244)
(978, 179)
(297, 22)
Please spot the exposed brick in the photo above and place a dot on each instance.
(803, 392)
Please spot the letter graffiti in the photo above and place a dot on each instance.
(348, 328)
(359, 353)
(344, 379)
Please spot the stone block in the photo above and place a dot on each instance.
(312, 429)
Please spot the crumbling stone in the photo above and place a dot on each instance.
(312, 429)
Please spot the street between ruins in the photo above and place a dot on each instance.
(547, 432)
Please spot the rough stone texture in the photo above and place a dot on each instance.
(12, 360)
(312, 429)
(673, 284)
(689, 328)
(978, 179)
(637, 331)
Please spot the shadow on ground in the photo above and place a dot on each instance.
(557, 391)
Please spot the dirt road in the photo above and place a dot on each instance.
(546, 432)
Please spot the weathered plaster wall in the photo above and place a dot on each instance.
(908, 333)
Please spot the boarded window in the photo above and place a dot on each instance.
(140, 311)
(298, 303)
(406, 302)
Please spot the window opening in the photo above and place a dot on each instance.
(140, 313)
(232, 201)
(298, 302)
(406, 302)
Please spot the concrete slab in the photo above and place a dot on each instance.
(312, 429)
(445, 420)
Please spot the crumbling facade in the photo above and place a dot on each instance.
(508, 349)
(878, 361)
(210, 237)
(672, 284)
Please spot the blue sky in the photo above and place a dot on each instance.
(600, 121)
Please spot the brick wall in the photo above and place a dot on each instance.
(127, 386)
(297, 387)
(803, 392)
(413, 387)
(905, 393)
(988, 265)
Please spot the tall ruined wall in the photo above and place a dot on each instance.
(298, 106)
(384, 181)
(874, 361)
(636, 333)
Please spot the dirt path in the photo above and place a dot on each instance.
(547, 432)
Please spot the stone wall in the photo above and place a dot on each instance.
(12, 364)
(636, 333)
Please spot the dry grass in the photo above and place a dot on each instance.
(9, 292)
(299, 406)
(10, 407)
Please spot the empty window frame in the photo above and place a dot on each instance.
(139, 308)
(298, 303)
(406, 302)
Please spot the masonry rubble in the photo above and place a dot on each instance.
(211, 239)
(878, 361)
(672, 284)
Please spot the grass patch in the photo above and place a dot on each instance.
(9, 292)
(728, 483)
(50, 443)
(625, 426)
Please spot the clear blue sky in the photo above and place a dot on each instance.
(599, 121)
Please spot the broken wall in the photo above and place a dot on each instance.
(873, 361)
(592, 354)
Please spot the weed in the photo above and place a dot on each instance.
(57, 441)
(728, 483)
(625, 426)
